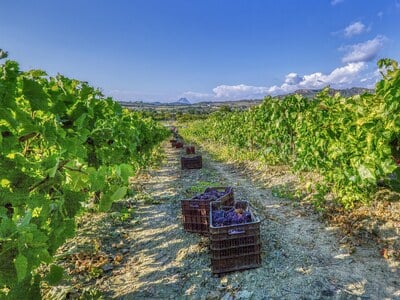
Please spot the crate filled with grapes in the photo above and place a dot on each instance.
(195, 211)
(190, 150)
(179, 144)
(173, 142)
(191, 162)
(234, 237)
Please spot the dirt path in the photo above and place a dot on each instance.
(301, 258)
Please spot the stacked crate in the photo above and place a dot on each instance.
(190, 150)
(178, 145)
(234, 247)
(173, 143)
(196, 212)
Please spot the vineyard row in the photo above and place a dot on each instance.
(352, 142)
(63, 145)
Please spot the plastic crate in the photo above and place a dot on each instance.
(236, 252)
(195, 162)
(227, 199)
(195, 216)
(173, 143)
(178, 145)
(196, 212)
(234, 247)
(190, 150)
(238, 263)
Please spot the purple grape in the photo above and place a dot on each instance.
(230, 217)
(247, 216)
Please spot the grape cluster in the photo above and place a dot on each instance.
(230, 217)
(210, 194)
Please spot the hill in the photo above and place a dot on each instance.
(310, 93)
(183, 105)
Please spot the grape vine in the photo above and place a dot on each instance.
(354, 142)
(62, 144)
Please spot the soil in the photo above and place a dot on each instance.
(148, 255)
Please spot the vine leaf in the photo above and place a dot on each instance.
(55, 275)
(21, 265)
(119, 193)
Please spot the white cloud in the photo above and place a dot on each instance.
(346, 74)
(354, 73)
(314, 81)
(293, 78)
(342, 77)
(354, 29)
(363, 52)
(228, 91)
(370, 79)
(194, 96)
(349, 75)
(334, 2)
(380, 14)
(339, 77)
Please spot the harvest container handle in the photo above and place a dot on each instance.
(236, 231)
(195, 205)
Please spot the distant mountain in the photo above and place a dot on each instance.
(310, 93)
(181, 101)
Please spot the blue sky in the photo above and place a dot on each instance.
(161, 50)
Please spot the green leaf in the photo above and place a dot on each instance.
(77, 180)
(72, 202)
(119, 193)
(105, 202)
(55, 275)
(107, 199)
(21, 265)
(36, 73)
(80, 121)
(27, 218)
(52, 171)
(388, 166)
(365, 173)
(35, 95)
(97, 178)
(125, 171)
